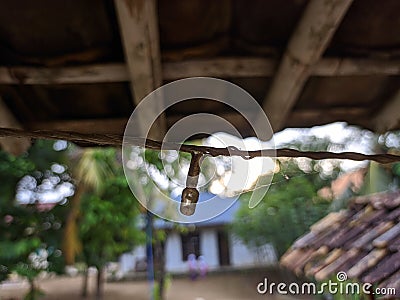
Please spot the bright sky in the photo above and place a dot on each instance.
(245, 172)
(353, 139)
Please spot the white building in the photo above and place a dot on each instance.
(211, 239)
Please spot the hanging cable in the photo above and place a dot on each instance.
(116, 140)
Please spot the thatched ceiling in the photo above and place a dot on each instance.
(72, 65)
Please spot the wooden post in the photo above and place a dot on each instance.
(139, 33)
(15, 146)
(307, 44)
(388, 117)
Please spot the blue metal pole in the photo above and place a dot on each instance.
(149, 252)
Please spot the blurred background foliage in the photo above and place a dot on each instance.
(287, 211)
(58, 193)
(61, 204)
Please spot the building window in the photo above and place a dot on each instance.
(190, 244)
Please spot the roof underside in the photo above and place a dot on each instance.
(66, 65)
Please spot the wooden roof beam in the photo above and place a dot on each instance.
(15, 146)
(94, 73)
(227, 67)
(117, 125)
(309, 117)
(96, 126)
(231, 67)
(139, 33)
(306, 46)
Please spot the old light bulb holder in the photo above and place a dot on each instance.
(190, 195)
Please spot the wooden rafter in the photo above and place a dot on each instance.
(240, 67)
(12, 145)
(307, 44)
(313, 117)
(117, 125)
(215, 67)
(95, 73)
(307, 117)
(110, 125)
(139, 33)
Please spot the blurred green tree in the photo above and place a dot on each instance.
(91, 168)
(102, 221)
(30, 231)
(292, 203)
(286, 212)
(109, 225)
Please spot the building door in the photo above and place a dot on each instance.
(223, 248)
(190, 244)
